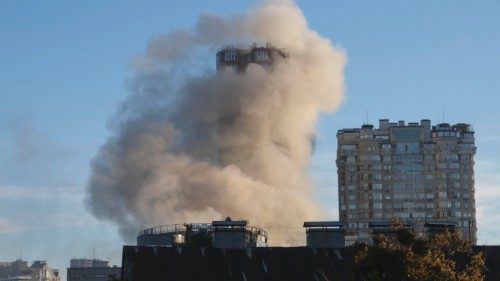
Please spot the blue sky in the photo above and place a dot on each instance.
(63, 68)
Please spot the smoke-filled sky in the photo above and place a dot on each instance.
(199, 145)
(72, 77)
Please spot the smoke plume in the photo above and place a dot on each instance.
(192, 144)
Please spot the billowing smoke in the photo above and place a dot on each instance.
(192, 144)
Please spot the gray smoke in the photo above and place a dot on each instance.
(158, 167)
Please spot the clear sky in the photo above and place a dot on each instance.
(64, 64)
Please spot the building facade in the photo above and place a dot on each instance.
(416, 172)
(92, 270)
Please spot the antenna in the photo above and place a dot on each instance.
(93, 254)
(367, 121)
(443, 114)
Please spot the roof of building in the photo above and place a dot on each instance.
(272, 263)
(276, 263)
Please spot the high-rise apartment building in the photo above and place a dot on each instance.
(416, 172)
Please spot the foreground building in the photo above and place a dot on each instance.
(92, 270)
(324, 258)
(417, 172)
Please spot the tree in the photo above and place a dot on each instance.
(407, 258)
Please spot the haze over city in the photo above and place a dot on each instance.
(72, 77)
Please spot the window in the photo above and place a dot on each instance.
(369, 157)
(348, 147)
(229, 55)
(261, 55)
(403, 215)
(386, 146)
(377, 196)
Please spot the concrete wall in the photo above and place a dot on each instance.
(325, 238)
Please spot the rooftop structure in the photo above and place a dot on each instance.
(226, 234)
(325, 234)
(415, 171)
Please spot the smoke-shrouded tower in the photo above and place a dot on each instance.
(239, 58)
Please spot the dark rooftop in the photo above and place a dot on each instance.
(272, 263)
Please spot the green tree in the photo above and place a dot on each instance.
(403, 257)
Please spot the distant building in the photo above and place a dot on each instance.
(412, 171)
(19, 270)
(239, 58)
(41, 271)
(15, 268)
(92, 270)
